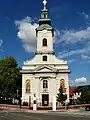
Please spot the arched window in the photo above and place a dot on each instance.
(44, 42)
(27, 85)
(44, 58)
(45, 84)
(44, 15)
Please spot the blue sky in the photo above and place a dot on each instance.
(71, 20)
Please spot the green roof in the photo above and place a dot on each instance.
(44, 26)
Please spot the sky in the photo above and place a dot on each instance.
(71, 21)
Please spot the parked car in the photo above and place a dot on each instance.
(87, 107)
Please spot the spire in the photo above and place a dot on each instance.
(44, 21)
(45, 3)
(44, 15)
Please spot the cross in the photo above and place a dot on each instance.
(44, 2)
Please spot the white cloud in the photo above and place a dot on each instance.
(70, 61)
(73, 52)
(72, 36)
(1, 42)
(81, 80)
(86, 16)
(57, 36)
(85, 57)
(26, 32)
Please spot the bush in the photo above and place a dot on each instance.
(25, 103)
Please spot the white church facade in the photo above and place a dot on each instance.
(43, 75)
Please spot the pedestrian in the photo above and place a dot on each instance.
(20, 102)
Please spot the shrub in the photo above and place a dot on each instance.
(25, 103)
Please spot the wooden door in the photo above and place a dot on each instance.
(45, 99)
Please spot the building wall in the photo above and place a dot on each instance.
(51, 60)
(65, 77)
(44, 34)
(36, 86)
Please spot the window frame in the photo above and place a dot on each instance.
(44, 58)
(44, 42)
(45, 84)
(28, 82)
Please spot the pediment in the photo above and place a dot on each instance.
(45, 68)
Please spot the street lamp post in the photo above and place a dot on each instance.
(17, 98)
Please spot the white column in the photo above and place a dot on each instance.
(34, 104)
(54, 103)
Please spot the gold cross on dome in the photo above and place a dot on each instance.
(44, 2)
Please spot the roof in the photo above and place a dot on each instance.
(72, 90)
(44, 26)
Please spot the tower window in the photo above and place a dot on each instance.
(44, 42)
(44, 15)
(44, 58)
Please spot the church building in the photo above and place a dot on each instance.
(43, 75)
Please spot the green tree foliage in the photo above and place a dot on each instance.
(60, 96)
(10, 77)
(85, 94)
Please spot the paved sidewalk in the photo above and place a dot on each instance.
(23, 110)
(80, 112)
(73, 112)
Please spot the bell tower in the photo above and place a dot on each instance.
(44, 33)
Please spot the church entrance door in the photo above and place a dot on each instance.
(45, 99)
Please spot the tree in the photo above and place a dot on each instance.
(10, 77)
(60, 96)
(85, 94)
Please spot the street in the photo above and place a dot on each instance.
(20, 115)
